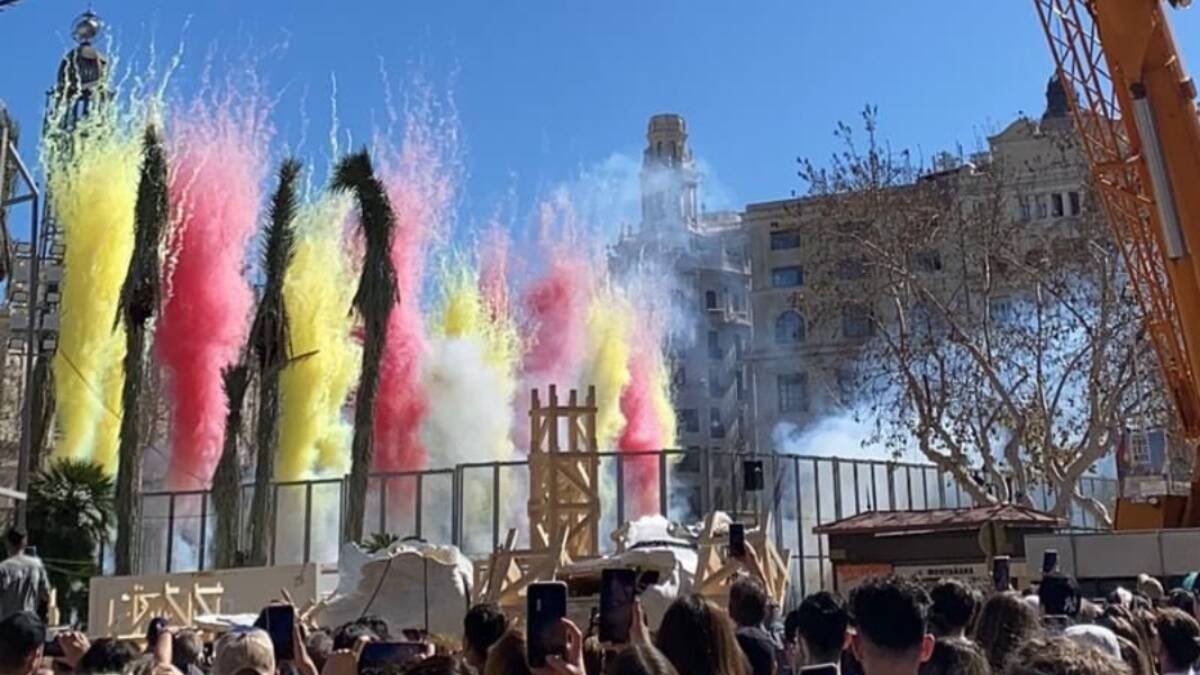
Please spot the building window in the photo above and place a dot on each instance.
(1056, 205)
(782, 241)
(856, 322)
(1073, 198)
(925, 320)
(1026, 209)
(714, 345)
(715, 390)
(738, 345)
(849, 269)
(793, 392)
(927, 261)
(847, 385)
(679, 376)
(787, 277)
(710, 299)
(689, 421)
(1042, 209)
(739, 381)
(716, 428)
(789, 328)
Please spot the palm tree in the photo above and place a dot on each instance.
(375, 298)
(139, 299)
(269, 343)
(70, 511)
(226, 485)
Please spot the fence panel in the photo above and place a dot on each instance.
(474, 505)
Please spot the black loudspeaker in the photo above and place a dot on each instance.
(752, 475)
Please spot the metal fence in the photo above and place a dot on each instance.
(473, 505)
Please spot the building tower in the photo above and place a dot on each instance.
(669, 180)
(703, 258)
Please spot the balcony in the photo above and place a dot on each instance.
(727, 314)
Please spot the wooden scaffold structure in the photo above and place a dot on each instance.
(564, 500)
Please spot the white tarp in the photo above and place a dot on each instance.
(411, 585)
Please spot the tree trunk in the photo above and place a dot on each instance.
(363, 449)
(127, 552)
(226, 488)
(262, 509)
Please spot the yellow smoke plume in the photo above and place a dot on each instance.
(93, 176)
(609, 329)
(319, 288)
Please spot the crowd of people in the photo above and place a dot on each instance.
(886, 626)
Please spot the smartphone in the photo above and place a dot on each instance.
(545, 610)
(1001, 574)
(823, 669)
(618, 588)
(280, 624)
(1049, 561)
(737, 540)
(379, 655)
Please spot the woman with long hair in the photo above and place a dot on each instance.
(1004, 623)
(698, 639)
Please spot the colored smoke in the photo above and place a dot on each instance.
(93, 174)
(217, 152)
(421, 181)
(318, 291)
(649, 421)
(609, 329)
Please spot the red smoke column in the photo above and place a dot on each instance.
(421, 185)
(643, 430)
(215, 194)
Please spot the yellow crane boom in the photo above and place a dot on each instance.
(1133, 104)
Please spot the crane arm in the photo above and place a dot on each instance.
(1133, 104)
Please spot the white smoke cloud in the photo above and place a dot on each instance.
(469, 419)
(845, 436)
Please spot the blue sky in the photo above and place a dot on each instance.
(547, 89)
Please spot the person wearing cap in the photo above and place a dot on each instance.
(21, 638)
(1059, 599)
(244, 651)
(24, 586)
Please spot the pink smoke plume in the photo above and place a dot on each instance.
(643, 431)
(553, 310)
(555, 304)
(216, 174)
(421, 182)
